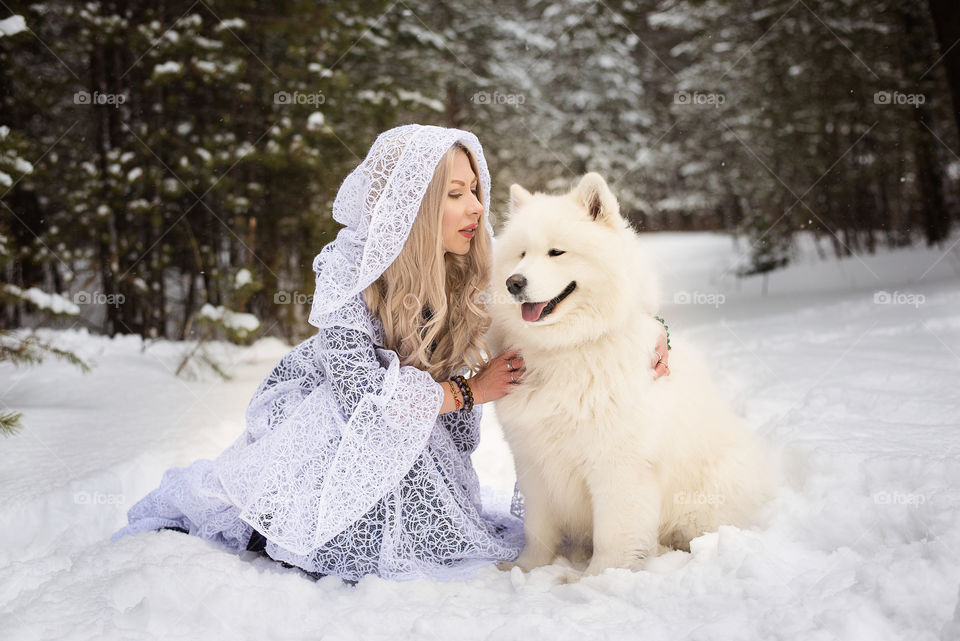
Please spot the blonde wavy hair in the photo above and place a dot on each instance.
(431, 301)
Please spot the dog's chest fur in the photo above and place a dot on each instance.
(579, 406)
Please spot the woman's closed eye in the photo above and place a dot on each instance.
(475, 192)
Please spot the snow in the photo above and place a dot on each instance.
(22, 165)
(239, 322)
(424, 35)
(232, 67)
(243, 277)
(205, 66)
(12, 25)
(5, 179)
(44, 301)
(167, 68)
(315, 67)
(672, 20)
(375, 97)
(953, 170)
(418, 98)
(857, 395)
(244, 149)
(193, 20)
(695, 167)
(207, 43)
(230, 23)
(316, 121)
(682, 203)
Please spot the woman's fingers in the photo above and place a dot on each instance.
(660, 364)
(514, 370)
(517, 368)
(508, 369)
(516, 376)
(661, 356)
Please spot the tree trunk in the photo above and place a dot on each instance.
(946, 22)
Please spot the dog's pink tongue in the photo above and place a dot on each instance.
(531, 311)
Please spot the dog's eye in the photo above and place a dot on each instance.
(522, 254)
(556, 252)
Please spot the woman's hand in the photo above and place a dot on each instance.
(660, 358)
(498, 378)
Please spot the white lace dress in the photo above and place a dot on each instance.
(345, 467)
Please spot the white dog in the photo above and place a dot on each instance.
(607, 457)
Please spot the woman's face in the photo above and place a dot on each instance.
(462, 208)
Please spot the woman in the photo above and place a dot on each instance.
(356, 454)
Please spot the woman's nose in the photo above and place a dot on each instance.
(476, 206)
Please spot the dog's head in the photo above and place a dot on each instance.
(567, 267)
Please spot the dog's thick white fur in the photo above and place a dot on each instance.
(607, 458)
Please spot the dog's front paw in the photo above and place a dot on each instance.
(594, 569)
(526, 562)
(599, 564)
(568, 575)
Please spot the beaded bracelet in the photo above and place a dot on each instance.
(666, 329)
(456, 396)
(465, 390)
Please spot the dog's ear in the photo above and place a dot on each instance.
(518, 196)
(594, 194)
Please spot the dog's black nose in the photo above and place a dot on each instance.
(516, 283)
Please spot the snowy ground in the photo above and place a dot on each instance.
(850, 369)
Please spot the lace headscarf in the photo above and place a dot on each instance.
(378, 203)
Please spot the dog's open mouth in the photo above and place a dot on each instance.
(532, 312)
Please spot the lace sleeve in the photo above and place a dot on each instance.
(347, 444)
(464, 428)
(349, 357)
(350, 361)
